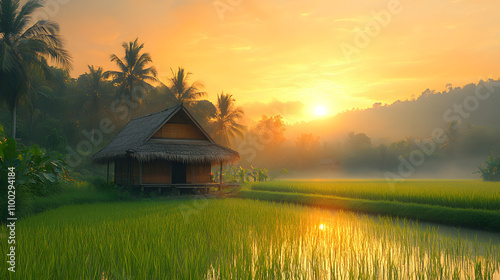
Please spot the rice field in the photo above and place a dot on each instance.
(467, 194)
(239, 239)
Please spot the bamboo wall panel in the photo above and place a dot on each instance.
(201, 173)
(126, 172)
(156, 172)
(179, 131)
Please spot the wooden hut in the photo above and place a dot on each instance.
(164, 149)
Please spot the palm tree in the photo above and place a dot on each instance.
(180, 91)
(225, 125)
(93, 82)
(24, 48)
(134, 73)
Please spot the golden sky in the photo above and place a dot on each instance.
(291, 55)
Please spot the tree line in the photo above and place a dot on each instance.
(46, 105)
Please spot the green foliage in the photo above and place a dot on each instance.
(100, 183)
(242, 174)
(55, 140)
(36, 170)
(490, 171)
(233, 174)
(259, 174)
(37, 173)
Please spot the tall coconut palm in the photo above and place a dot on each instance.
(134, 74)
(225, 125)
(180, 91)
(25, 46)
(93, 83)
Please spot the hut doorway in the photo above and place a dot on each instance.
(178, 173)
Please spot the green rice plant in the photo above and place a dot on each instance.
(239, 239)
(466, 194)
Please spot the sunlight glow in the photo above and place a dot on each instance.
(322, 227)
(320, 111)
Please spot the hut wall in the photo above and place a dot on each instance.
(126, 172)
(156, 172)
(199, 173)
(179, 131)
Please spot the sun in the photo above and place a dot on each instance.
(320, 111)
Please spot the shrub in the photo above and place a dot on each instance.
(490, 171)
(38, 173)
(101, 183)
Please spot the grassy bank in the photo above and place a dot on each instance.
(465, 194)
(472, 218)
(69, 197)
(236, 239)
(66, 194)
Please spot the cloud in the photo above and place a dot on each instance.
(265, 51)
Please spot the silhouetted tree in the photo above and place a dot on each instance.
(180, 90)
(225, 124)
(270, 131)
(358, 141)
(134, 74)
(25, 49)
(93, 83)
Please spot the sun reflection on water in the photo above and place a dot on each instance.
(354, 246)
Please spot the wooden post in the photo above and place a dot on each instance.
(107, 174)
(220, 178)
(129, 171)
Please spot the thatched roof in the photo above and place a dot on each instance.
(135, 141)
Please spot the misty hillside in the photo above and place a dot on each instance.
(476, 104)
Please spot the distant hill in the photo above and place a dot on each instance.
(477, 104)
